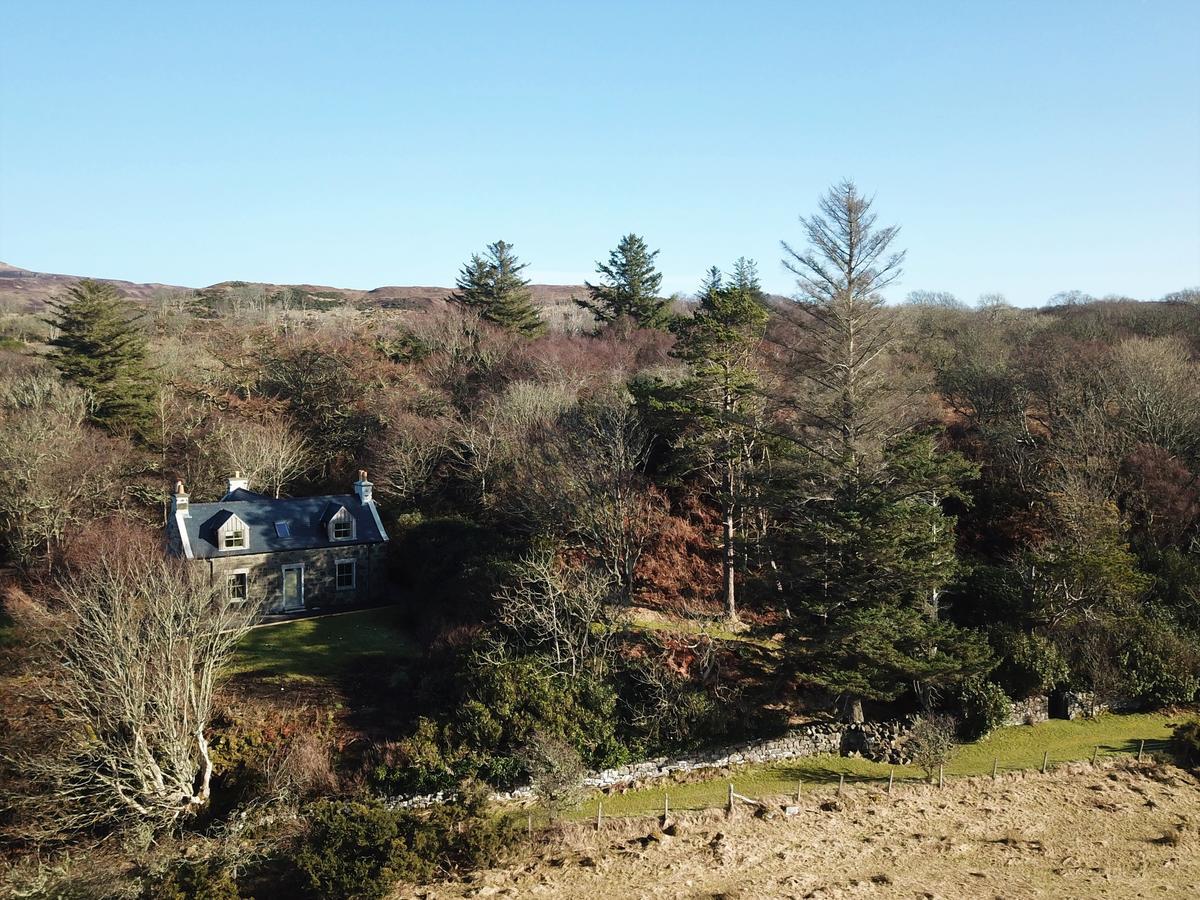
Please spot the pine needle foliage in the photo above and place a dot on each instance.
(628, 286)
(100, 346)
(491, 284)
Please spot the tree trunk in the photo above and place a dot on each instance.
(729, 565)
(854, 711)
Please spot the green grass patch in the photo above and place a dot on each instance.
(691, 626)
(323, 648)
(1019, 747)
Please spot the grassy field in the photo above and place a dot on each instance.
(322, 648)
(1019, 747)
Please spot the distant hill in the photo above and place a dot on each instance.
(23, 289)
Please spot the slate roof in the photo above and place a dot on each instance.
(307, 519)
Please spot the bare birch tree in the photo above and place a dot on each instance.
(271, 454)
(128, 652)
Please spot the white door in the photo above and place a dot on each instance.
(293, 588)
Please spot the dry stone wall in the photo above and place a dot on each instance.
(879, 741)
(1030, 711)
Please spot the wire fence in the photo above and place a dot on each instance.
(831, 787)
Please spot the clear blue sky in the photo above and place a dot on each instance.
(1025, 148)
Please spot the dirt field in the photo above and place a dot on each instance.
(1113, 831)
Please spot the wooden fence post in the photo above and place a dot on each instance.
(841, 783)
(1095, 753)
(529, 825)
(1045, 760)
(599, 813)
(799, 784)
(730, 809)
(666, 805)
(891, 778)
(941, 776)
(995, 766)
(1141, 748)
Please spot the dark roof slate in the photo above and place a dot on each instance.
(305, 517)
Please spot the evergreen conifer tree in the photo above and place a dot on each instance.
(868, 546)
(628, 286)
(713, 411)
(99, 345)
(492, 285)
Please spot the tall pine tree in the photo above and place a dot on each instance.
(491, 284)
(628, 286)
(713, 411)
(867, 545)
(100, 346)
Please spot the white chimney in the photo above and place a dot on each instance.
(179, 500)
(362, 487)
(237, 481)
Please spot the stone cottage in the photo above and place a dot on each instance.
(293, 554)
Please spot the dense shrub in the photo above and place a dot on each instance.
(555, 773)
(1161, 667)
(259, 750)
(1186, 742)
(193, 881)
(360, 849)
(422, 763)
(510, 699)
(985, 707)
(670, 710)
(1030, 664)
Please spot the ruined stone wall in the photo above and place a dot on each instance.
(1030, 711)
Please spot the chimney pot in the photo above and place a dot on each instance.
(363, 488)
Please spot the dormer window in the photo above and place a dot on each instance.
(341, 526)
(232, 534)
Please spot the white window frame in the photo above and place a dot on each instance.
(353, 564)
(229, 576)
(228, 528)
(342, 517)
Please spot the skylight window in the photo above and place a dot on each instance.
(282, 529)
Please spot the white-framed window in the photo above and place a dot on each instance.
(234, 535)
(341, 526)
(237, 585)
(345, 574)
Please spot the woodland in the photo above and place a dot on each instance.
(621, 526)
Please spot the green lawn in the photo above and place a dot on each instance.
(323, 648)
(1019, 747)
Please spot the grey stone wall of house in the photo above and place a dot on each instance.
(1030, 711)
(265, 575)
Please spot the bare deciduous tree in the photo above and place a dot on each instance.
(128, 652)
(407, 453)
(488, 441)
(55, 471)
(584, 480)
(559, 610)
(271, 454)
(1156, 393)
